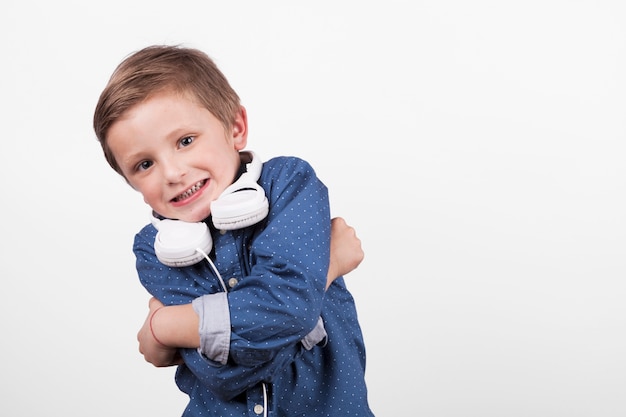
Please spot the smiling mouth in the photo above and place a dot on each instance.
(189, 192)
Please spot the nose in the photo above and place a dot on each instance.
(173, 170)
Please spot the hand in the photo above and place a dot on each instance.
(152, 350)
(345, 250)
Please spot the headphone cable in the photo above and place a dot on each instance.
(214, 268)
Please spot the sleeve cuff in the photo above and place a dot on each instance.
(317, 335)
(214, 328)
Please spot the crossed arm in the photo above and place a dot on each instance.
(168, 328)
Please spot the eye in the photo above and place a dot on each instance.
(143, 165)
(186, 141)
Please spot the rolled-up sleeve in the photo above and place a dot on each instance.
(214, 328)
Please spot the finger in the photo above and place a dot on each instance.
(340, 221)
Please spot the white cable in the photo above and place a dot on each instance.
(264, 400)
(214, 268)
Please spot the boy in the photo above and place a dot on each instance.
(277, 340)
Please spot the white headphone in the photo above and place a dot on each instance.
(242, 204)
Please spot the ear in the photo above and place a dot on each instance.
(240, 129)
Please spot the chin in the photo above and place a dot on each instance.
(195, 218)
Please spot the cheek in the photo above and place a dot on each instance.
(147, 192)
(150, 195)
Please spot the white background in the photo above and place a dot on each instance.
(477, 147)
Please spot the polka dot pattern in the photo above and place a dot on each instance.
(276, 271)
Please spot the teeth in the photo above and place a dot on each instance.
(190, 191)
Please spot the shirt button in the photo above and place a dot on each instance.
(232, 282)
(258, 409)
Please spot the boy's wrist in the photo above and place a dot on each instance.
(152, 326)
(175, 326)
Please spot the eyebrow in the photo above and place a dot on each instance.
(132, 159)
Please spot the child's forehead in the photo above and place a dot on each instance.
(178, 96)
(162, 96)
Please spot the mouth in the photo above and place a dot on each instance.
(190, 192)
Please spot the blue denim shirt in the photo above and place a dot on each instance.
(254, 358)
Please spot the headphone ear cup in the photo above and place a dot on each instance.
(240, 208)
(243, 203)
(177, 242)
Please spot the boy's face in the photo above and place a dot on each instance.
(177, 154)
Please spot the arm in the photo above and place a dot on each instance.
(172, 327)
(177, 326)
